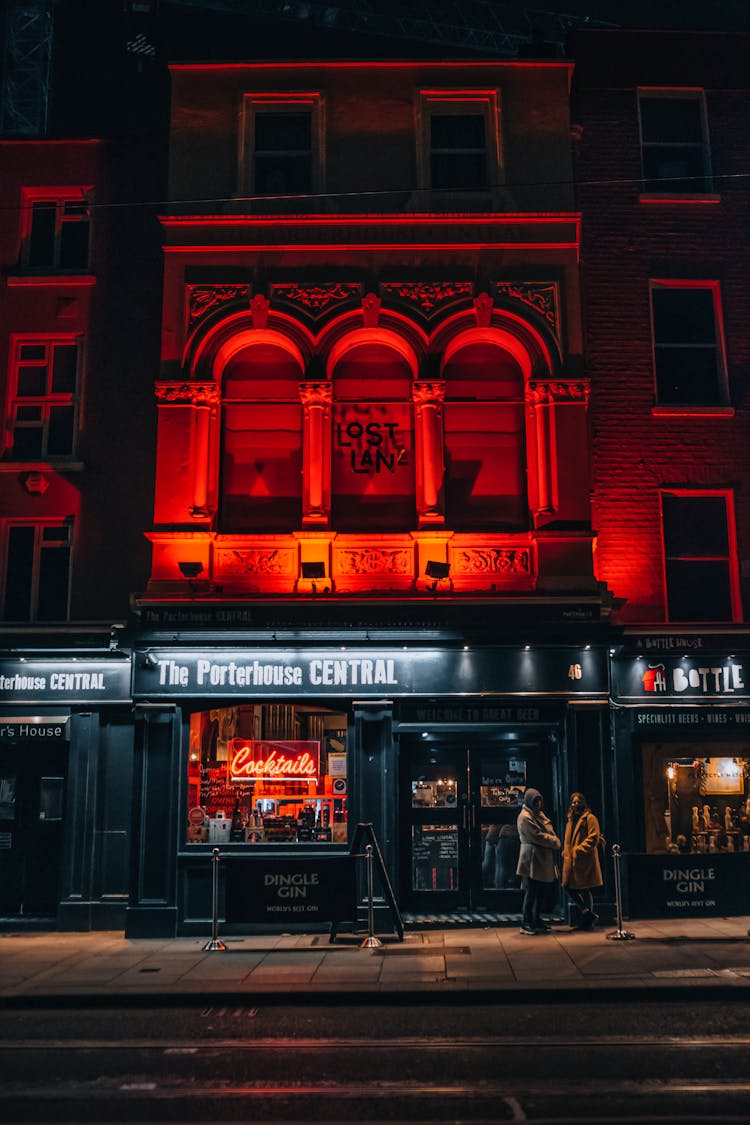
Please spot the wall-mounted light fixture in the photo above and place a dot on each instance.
(313, 569)
(190, 569)
(437, 571)
(150, 661)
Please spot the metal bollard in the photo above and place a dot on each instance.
(215, 944)
(619, 934)
(370, 942)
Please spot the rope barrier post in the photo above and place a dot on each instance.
(619, 934)
(370, 942)
(215, 944)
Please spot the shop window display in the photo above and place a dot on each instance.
(267, 773)
(696, 803)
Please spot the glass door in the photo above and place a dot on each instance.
(459, 807)
(32, 796)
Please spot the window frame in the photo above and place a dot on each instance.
(60, 197)
(39, 526)
(721, 405)
(281, 103)
(47, 401)
(731, 558)
(676, 93)
(441, 102)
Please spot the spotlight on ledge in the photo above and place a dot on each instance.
(190, 569)
(313, 569)
(150, 661)
(437, 569)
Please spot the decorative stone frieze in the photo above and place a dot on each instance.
(542, 296)
(547, 393)
(316, 300)
(203, 299)
(372, 560)
(491, 560)
(231, 562)
(428, 297)
(188, 394)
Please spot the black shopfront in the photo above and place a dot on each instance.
(277, 749)
(681, 723)
(65, 789)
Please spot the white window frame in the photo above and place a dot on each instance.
(719, 346)
(281, 103)
(442, 103)
(730, 558)
(61, 198)
(684, 94)
(43, 402)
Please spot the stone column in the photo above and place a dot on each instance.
(430, 462)
(544, 401)
(316, 453)
(187, 442)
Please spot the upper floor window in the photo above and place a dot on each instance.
(37, 571)
(459, 151)
(674, 146)
(700, 556)
(42, 408)
(281, 150)
(56, 231)
(688, 344)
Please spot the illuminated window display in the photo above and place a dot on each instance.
(267, 773)
(696, 804)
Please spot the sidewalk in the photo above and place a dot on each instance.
(104, 966)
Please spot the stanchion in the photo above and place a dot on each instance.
(215, 944)
(370, 942)
(619, 934)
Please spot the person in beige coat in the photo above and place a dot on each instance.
(536, 862)
(582, 871)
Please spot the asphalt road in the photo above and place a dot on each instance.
(613, 1061)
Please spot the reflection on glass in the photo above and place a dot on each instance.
(500, 850)
(51, 798)
(502, 782)
(7, 798)
(442, 793)
(434, 857)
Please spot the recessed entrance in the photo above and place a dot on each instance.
(458, 809)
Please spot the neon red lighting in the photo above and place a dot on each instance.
(274, 761)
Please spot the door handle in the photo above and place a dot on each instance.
(473, 816)
(466, 817)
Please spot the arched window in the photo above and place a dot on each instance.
(373, 444)
(485, 440)
(261, 454)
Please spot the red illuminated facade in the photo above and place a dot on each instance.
(413, 463)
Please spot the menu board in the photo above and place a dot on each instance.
(434, 855)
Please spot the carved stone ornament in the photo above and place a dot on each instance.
(492, 560)
(483, 306)
(545, 394)
(423, 392)
(202, 299)
(195, 394)
(371, 310)
(370, 561)
(540, 296)
(316, 299)
(230, 562)
(427, 296)
(316, 394)
(259, 311)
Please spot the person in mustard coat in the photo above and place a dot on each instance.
(582, 871)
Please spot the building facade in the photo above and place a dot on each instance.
(661, 149)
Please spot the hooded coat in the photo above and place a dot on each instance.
(538, 842)
(581, 867)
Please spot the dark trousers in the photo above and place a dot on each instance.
(583, 899)
(532, 903)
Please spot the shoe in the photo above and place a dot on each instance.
(528, 930)
(543, 928)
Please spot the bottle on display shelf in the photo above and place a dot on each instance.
(696, 821)
(237, 831)
(728, 822)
